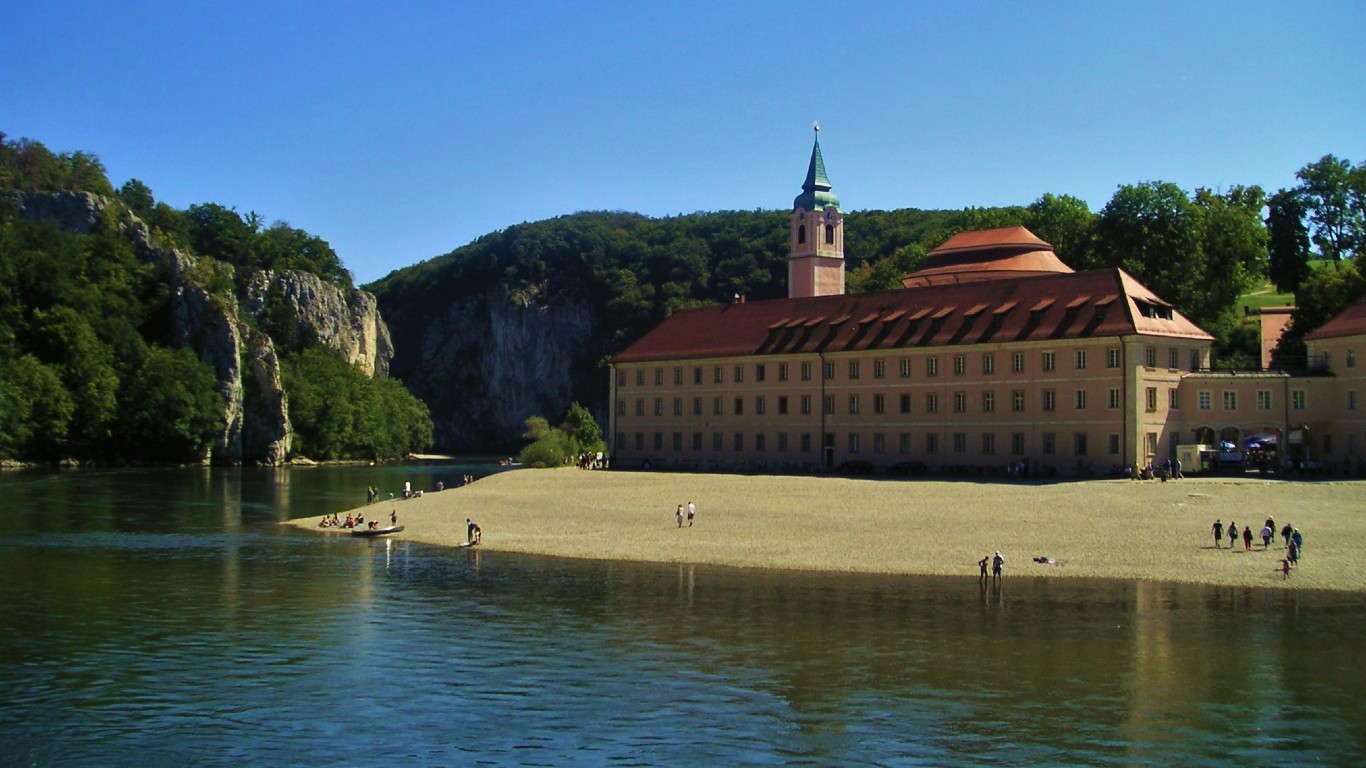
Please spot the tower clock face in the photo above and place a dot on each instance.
(829, 217)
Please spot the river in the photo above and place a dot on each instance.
(163, 617)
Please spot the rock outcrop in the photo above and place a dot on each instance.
(255, 426)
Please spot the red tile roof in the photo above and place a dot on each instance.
(751, 328)
(1349, 322)
(988, 254)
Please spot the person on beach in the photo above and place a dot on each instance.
(393, 517)
(1285, 569)
(350, 521)
(1218, 529)
(1247, 539)
(1286, 531)
(1270, 523)
(1232, 535)
(679, 515)
(1297, 539)
(1267, 534)
(692, 512)
(472, 532)
(1293, 554)
(996, 563)
(982, 565)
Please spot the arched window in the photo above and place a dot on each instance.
(801, 234)
(829, 234)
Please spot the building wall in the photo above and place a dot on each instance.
(1071, 405)
(1334, 407)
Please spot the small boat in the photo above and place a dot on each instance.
(376, 531)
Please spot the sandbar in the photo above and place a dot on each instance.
(1112, 529)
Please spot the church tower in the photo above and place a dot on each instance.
(816, 264)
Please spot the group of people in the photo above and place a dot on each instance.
(997, 564)
(691, 513)
(355, 521)
(1294, 540)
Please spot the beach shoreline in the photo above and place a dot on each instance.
(1107, 529)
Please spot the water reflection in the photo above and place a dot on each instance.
(168, 620)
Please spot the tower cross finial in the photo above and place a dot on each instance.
(816, 126)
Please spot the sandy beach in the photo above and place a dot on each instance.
(1102, 529)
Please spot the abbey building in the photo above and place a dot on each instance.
(994, 353)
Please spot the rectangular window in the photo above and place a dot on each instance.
(932, 365)
(659, 406)
(739, 406)
(782, 405)
(853, 442)
(640, 407)
(678, 406)
(1351, 358)
(1081, 359)
(806, 371)
(853, 405)
(718, 441)
(782, 371)
(1351, 399)
(806, 442)
(1150, 399)
(829, 404)
(1114, 444)
(905, 367)
(1050, 443)
(988, 402)
(697, 406)
(879, 404)
(1230, 400)
(621, 407)
(932, 443)
(960, 402)
(988, 364)
(760, 445)
(879, 369)
(931, 402)
(853, 369)
(1195, 359)
(988, 444)
(640, 441)
(1204, 400)
(1017, 362)
(1017, 400)
(1050, 400)
(697, 375)
(697, 441)
(760, 372)
(760, 405)
(621, 378)
(905, 403)
(659, 377)
(1299, 399)
(716, 406)
(879, 443)
(829, 371)
(1112, 358)
(960, 442)
(904, 442)
(1173, 358)
(1113, 398)
(678, 442)
(739, 442)
(782, 442)
(1081, 399)
(739, 374)
(678, 377)
(1264, 400)
(659, 441)
(1150, 357)
(960, 365)
(806, 405)
(1017, 443)
(1079, 444)
(1049, 361)
(640, 378)
(716, 375)
(1174, 399)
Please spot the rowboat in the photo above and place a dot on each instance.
(376, 531)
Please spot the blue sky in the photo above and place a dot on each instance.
(401, 131)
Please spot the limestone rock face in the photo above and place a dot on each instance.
(487, 362)
(346, 320)
(255, 426)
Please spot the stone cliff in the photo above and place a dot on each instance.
(487, 361)
(255, 424)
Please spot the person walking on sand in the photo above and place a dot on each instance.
(692, 512)
(1247, 539)
(393, 516)
(1271, 523)
(1297, 539)
(996, 563)
(1232, 535)
(1218, 529)
(982, 565)
(679, 515)
(1285, 569)
(1286, 531)
(1267, 533)
(1294, 554)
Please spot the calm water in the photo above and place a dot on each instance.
(163, 618)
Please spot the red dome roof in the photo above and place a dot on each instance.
(987, 254)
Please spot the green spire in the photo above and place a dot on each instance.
(816, 193)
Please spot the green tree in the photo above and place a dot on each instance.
(1067, 224)
(170, 408)
(1152, 231)
(1234, 245)
(1288, 240)
(585, 436)
(1334, 195)
(40, 409)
